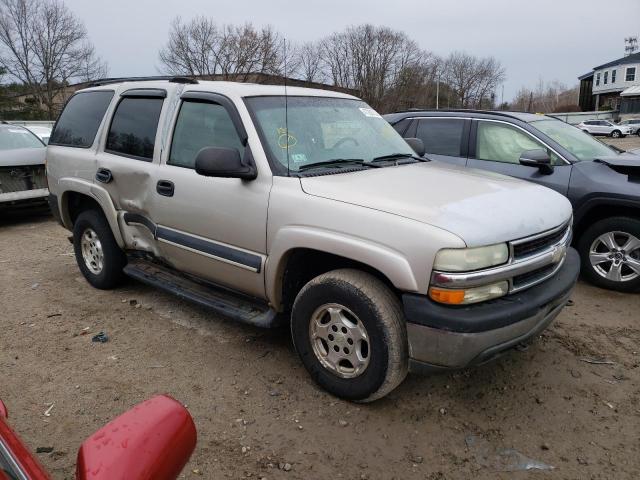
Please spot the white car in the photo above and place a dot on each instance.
(634, 123)
(605, 127)
(42, 132)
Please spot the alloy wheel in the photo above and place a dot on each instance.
(616, 256)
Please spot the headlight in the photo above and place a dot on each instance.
(468, 259)
(469, 295)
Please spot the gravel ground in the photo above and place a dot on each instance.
(627, 143)
(258, 414)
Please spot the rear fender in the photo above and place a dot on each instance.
(95, 192)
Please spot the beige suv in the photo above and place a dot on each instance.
(306, 207)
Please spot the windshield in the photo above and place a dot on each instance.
(12, 138)
(323, 129)
(581, 144)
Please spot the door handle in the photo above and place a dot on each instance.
(165, 188)
(104, 175)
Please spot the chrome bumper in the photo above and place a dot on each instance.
(24, 195)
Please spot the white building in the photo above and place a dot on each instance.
(614, 85)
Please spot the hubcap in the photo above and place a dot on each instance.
(92, 253)
(616, 256)
(339, 340)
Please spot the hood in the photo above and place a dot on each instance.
(480, 207)
(625, 163)
(22, 156)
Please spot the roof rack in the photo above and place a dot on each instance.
(172, 79)
(465, 110)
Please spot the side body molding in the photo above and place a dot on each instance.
(388, 261)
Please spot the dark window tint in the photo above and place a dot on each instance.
(133, 128)
(80, 119)
(441, 136)
(402, 125)
(201, 125)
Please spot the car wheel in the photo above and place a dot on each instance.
(610, 254)
(98, 256)
(616, 134)
(349, 331)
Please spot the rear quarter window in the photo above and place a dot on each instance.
(79, 121)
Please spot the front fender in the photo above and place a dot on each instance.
(95, 192)
(391, 263)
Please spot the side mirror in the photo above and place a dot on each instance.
(537, 158)
(223, 163)
(417, 145)
(152, 440)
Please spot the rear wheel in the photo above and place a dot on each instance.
(349, 330)
(610, 254)
(98, 256)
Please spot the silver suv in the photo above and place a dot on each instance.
(305, 207)
(604, 127)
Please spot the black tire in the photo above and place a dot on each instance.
(110, 275)
(381, 314)
(616, 134)
(626, 225)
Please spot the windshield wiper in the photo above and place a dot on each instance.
(334, 163)
(393, 156)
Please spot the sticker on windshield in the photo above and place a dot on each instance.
(370, 112)
(299, 158)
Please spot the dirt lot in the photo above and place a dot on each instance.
(246, 388)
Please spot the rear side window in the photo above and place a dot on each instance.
(80, 119)
(200, 125)
(442, 136)
(133, 127)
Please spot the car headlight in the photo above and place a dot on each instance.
(468, 259)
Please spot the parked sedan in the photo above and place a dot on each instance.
(602, 183)
(22, 173)
(41, 131)
(634, 123)
(604, 127)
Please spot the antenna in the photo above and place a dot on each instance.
(631, 45)
(286, 103)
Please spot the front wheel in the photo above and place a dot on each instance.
(616, 134)
(97, 253)
(349, 331)
(610, 254)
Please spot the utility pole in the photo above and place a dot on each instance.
(502, 97)
(438, 92)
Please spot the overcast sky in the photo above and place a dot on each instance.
(548, 39)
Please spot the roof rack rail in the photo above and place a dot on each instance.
(170, 78)
(504, 113)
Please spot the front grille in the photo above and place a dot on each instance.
(521, 281)
(18, 179)
(536, 245)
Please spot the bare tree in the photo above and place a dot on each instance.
(201, 47)
(472, 79)
(308, 62)
(373, 60)
(547, 97)
(44, 45)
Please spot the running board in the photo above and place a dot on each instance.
(236, 307)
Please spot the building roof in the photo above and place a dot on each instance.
(631, 91)
(633, 58)
(586, 75)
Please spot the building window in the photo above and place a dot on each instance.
(613, 76)
(606, 77)
(597, 79)
(630, 75)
